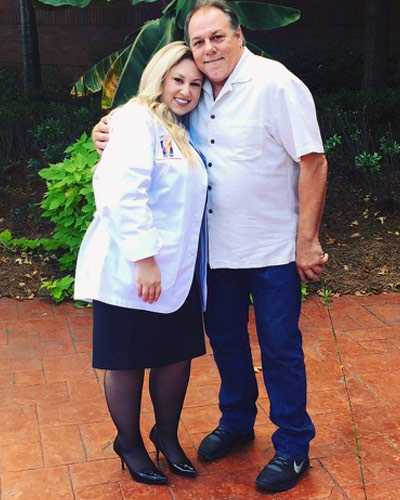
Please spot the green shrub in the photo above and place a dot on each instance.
(69, 204)
(369, 162)
(377, 108)
(332, 144)
(39, 128)
(69, 200)
(60, 289)
(358, 157)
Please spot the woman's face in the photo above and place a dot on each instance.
(182, 87)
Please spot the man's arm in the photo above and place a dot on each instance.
(310, 259)
(100, 134)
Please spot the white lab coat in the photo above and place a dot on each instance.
(149, 202)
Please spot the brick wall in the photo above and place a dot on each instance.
(73, 39)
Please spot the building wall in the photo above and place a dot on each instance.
(73, 39)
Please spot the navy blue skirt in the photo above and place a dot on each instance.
(125, 339)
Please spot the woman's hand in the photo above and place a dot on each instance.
(148, 280)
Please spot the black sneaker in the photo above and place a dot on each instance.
(281, 474)
(220, 443)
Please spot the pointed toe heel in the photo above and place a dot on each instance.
(154, 476)
(184, 469)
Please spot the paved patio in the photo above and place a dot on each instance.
(55, 432)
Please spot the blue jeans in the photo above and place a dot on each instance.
(277, 304)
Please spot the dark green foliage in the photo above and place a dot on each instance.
(324, 61)
(378, 108)
(363, 143)
(323, 68)
(69, 204)
(39, 128)
(119, 73)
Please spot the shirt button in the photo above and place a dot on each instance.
(212, 117)
(212, 141)
(210, 211)
(209, 164)
(209, 188)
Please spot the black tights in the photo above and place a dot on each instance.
(123, 389)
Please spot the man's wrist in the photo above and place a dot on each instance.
(307, 239)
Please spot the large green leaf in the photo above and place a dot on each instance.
(264, 16)
(73, 3)
(85, 3)
(112, 78)
(183, 7)
(154, 35)
(135, 2)
(119, 73)
(169, 6)
(94, 78)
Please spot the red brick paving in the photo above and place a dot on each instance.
(56, 435)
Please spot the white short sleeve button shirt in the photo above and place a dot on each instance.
(253, 136)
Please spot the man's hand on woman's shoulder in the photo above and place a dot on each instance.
(100, 134)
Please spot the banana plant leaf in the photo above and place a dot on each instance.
(154, 35)
(252, 15)
(85, 3)
(72, 3)
(112, 79)
(264, 16)
(183, 7)
(169, 6)
(119, 73)
(94, 78)
(135, 2)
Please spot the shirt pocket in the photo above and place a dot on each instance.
(169, 257)
(246, 139)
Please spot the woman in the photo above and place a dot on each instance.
(137, 260)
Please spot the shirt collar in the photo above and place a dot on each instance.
(240, 74)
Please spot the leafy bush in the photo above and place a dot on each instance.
(331, 145)
(69, 200)
(377, 108)
(49, 135)
(369, 163)
(60, 289)
(377, 166)
(69, 204)
(39, 128)
(362, 130)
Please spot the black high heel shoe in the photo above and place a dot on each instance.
(185, 469)
(153, 477)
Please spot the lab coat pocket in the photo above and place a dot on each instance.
(169, 257)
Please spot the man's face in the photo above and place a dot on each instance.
(216, 47)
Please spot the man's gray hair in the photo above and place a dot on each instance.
(222, 5)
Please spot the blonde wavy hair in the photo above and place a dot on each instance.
(151, 89)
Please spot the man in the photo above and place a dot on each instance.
(256, 126)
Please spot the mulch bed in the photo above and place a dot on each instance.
(363, 243)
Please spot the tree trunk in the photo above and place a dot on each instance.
(376, 49)
(30, 48)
